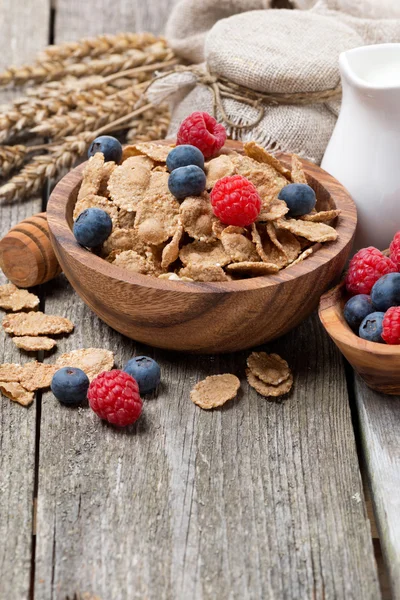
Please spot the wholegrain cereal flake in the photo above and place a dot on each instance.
(321, 217)
(157, 218)
(10, 372)
(37, 376)
(276, 210)
(132, 261)
(302, 256)
(270, 368)
(215, 390)
(198, 218)
(16, 392)
(238, 247)
(15, 299)
(34, 343)
(92, 176)
(298, 175)
(128, 185)
(107, 169)
(266, 389)
(136, 159)
(198, 272)
(92, 361)
(314, 232)
(157, 152)
(217, 168)
(123, 239)
(93, 201)
(36, 323)
(171, 251)
(259, 154)
(253, 268)
(204, 254)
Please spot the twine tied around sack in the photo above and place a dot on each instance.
(221, 87)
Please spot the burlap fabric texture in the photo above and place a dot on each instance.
(287, 52)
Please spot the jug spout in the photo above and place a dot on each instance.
(372, 69)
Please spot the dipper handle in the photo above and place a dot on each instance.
(26, 255)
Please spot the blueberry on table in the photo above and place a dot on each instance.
(109, 146)
(371, 327)
(356, 309)
(299, 197)
(145, 371)
(187, 181)
(385, 292)
(183, 156)
(92, 227)
(70, 386)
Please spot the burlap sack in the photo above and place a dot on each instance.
(274, 51)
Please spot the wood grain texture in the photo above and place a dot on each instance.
(183, 316)
(77, 19)
(257, 500)
(26, 253)
(23, 31)
(379, 417)
(377, 364)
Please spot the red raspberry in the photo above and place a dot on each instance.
(201, 130)
(391, 325)
(114, 397)
(395, 250)
(235, 201)
(366, 267)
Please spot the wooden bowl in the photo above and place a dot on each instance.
(377, 364)
(202, 317)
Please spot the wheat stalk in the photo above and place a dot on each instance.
(11, 157)
(89, 118)
(51, 70)
(61, 156)
(32, 177)
(153, 126)
(97, 46)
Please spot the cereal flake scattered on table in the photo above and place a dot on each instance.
(91, 360)
(34, 343)
(15, 299)
(37, 376)
(36, 323)
(16, 392)
(215, 390)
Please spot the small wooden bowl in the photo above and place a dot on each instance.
(202, 317)
(377, 364)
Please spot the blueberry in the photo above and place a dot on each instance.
(187, 181)
(299, 197)
(92, 227)
(356, 309)
(109, 146)
(70, 385)
(146, 372)
(371, 327)
(183, 156)
(386, 292)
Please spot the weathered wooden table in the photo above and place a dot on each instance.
(254, 501)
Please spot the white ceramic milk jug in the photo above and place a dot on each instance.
(364, 151)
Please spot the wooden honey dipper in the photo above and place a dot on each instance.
(26, 255)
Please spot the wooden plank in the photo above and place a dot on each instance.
(24, 31)
(257, 500)
(379, 416)
(76, 19)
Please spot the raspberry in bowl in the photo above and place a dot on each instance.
(362, 316)
(203, 269)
